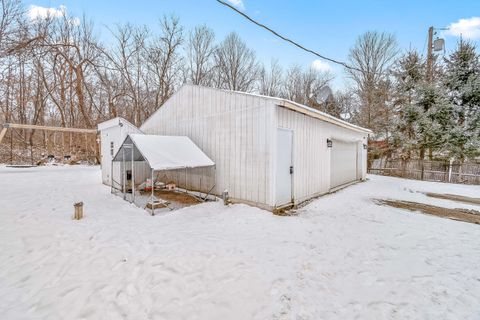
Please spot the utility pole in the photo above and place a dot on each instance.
(430, 56)
(429, 78)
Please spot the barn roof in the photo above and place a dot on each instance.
(163, 152)
(312, 112)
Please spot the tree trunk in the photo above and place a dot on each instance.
(79, 92)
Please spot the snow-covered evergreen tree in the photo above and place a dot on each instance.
(436, 121)
(408, 75)
(462, 80)
(441, 117)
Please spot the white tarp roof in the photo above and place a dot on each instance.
(166, 152)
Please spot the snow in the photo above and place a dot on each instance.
(342, 257)
(168, 152)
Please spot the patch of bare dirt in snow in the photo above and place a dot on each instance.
(453, 197)
(466, 215)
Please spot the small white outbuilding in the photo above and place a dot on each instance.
(112, 134)
(268, 152)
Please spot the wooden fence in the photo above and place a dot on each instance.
(443, 171)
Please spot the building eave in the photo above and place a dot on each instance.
(320, 115)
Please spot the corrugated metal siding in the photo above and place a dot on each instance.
(311, 156)
(234, 130)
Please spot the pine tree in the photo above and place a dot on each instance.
(436, 123)
(462, 80)
(408, 76)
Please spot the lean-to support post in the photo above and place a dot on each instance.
(133, 176)
(111, 176)
(186, 180)
(152, 202)
(123, 173)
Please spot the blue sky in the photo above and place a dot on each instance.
(330, 27)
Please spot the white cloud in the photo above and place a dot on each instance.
(467, 28)
(37, 12)
(237, 3)
(321, 66)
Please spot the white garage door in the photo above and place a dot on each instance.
(343, 163)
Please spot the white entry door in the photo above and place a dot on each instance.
(284, 167)
(343, 163)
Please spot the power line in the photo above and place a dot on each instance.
(287, 39)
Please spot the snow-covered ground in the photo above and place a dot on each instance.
(342, 257)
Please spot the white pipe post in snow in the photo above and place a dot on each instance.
(111, 176)
(186, 180)
(123, 173)
(133, 177)
(151, 200)
(215, 179)
(450, 170)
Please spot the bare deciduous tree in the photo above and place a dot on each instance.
(270, 81)
(348, 104)
(165, 60)
(372, 56)
(200, 50)
(306, 87)
(124, 67)
(72, 45)
(293, 84)
(314, 84)
(10, 19)
(236, 66)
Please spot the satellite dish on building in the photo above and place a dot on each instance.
(438, 44)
